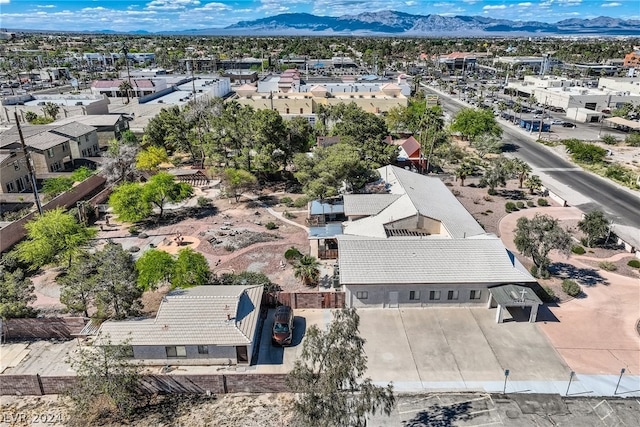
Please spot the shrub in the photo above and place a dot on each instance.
(578, 250)
(633, 139)
(618, 173)
(520, 205)
(530, 203)
(301, 202)
(204, 202)
(510, 207)
(609, 139)
(229, 248)
(287, 201)
(534, 271)
(292, 254)
(489, 211)
(271, 226)
(547, 294)
(635, 263)
(607, 266)
(492, 191)
(571, 288)
(585, 152)
(134, 230)
(543, 202)
(134, 249)
(288, 215)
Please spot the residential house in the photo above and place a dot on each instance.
(83, 139)
(417, 246)
(108, 126)
(205, 325)
(49, 151)
(14, 176)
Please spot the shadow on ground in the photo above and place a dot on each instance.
(441, 416)
(585, 276)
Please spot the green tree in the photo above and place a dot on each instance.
(117, 294)
(463, 171)
(162, 188)
(149, 158)
(169, 129)
(496, 174)
(521, 169)
(81, 174)
(307, 269)
(51, 109)
(190, 269)
(16, 293)
(154, 267)
(53, 187)
(538, 236)
(106, 382)
(487, 144)
(533, 183)
(237, 181)
(584, 152)
(328, 377)
(78, 284)
(269, 149)
(595, 226)
(125, 88)
(53, 237)
(128, 202)
(472, 123)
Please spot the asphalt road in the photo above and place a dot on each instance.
(621, 206)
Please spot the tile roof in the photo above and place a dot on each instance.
(484, 260)
(196, 316)
(367, 204)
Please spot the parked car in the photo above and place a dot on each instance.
(282, 326)
(568, 125)
(557, 122)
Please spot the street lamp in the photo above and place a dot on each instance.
(622, 371)
(506, 375)
(570, 379)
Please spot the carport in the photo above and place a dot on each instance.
(505, 296)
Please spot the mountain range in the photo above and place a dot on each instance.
(398, 23)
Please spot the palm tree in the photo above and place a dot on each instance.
(463, 171)
(521, 169)
(307, 269)
(125, 87)
(534, 183)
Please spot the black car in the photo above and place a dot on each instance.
(282, 333)
(568, 125)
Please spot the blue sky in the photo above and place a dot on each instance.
(166, 15)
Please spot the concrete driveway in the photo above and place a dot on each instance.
(276, 359)
(457, 348)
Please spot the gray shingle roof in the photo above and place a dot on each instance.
(196, 316)
(367, 204)
(91, 120)
(39, 137)
(73, 129)
(45, 140)
(482, 260)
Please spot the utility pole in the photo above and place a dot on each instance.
(544, 111)
(27, 158)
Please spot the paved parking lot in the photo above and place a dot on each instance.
(522, 410)
(458, 348)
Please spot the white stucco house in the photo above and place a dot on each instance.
(417, 246)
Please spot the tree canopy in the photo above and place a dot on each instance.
(595, 226)
(190, 269)
(329, 377)
(16, 293)
(53, 237)
(472, 123)
(538, 236)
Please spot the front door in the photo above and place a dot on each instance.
(393, 299)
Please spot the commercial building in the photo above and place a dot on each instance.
(70, 105)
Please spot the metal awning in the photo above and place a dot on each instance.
(514, 295)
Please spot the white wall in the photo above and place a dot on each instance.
(378, 295)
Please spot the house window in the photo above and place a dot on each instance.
(452, 295)
(20, 184)
(50, 152)
(287, 111)
(176, 351)
(414, 295)
(475, 294)
(434, 295)
(16, 165)
(362, 294)
(64, 147)
(203, 349)
(10, 187)
(302, 111)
